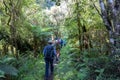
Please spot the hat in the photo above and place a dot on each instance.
(50, 41)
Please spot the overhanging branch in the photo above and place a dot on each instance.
(96, 8)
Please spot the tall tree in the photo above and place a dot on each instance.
(13, 10)
(110, 13)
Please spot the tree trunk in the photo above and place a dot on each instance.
(35, 46)
(13, 28)
(78, 24)
(83, 39)
(111, 18)
(12, 8)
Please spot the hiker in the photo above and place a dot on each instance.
(60, 41)
(49, 54)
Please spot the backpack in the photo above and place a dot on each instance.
(49, 52)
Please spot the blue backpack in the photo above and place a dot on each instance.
(49, 52)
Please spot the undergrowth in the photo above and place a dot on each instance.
(73, 65)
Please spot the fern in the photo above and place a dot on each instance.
(6, 67)
(2, 74)
(9, 70)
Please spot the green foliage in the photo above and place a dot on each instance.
(7, 60)
(85, 65)
(30, 68)
(65, 70)
(40, 32)
(2, 74)
(83, 74)
(7, 68)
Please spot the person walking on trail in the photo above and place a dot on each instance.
(49, 54)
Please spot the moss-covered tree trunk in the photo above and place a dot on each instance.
(83, 39)
(12, 9)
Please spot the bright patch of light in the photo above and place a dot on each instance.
(57, 13)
